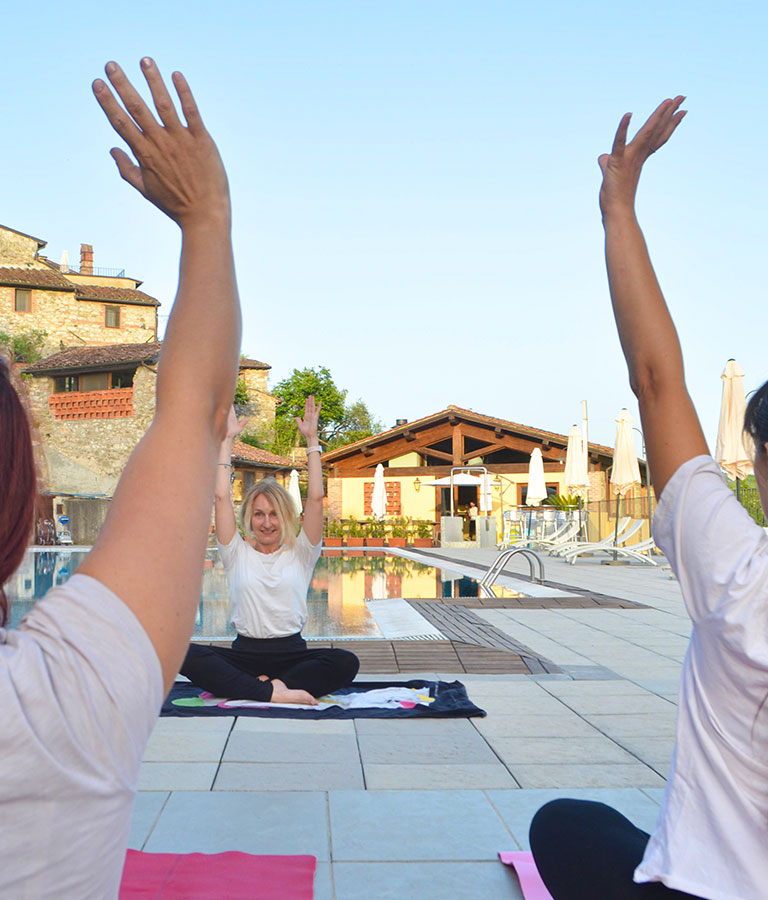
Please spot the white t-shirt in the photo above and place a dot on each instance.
(711, 839)
(268, 591)
(80, 690)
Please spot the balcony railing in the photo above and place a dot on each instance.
(83, 405)
(97, 270)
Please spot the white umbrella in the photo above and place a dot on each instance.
(293, 490)
(734, 449)
(576, 468)
(537, 486)
(625, 472)
(379, 496)
(576, 474)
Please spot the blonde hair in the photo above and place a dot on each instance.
(280, 500)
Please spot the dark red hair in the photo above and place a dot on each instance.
(18, 482)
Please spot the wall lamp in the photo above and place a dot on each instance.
(417, 484)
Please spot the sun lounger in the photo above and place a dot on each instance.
(619, 548)
(569, 546)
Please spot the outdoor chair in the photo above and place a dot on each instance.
(569, 546)
(619, 548)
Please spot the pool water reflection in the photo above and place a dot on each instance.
(336, 600)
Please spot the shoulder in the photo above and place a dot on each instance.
(306, 551)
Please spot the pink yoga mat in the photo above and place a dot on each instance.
(530, 880)
(225, 876)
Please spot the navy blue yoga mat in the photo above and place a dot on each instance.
(450, 701)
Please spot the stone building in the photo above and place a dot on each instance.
(73, 305)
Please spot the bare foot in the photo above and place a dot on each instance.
(283, 694)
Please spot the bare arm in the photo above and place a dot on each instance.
(313, 508)
(646, 331)
(150, 551)
(224, 511)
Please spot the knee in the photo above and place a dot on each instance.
(552, 821)
(347, 663)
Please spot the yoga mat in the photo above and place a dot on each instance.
(225, 876)
(530, 880)
(450, 701)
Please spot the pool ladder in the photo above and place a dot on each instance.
(496, 567)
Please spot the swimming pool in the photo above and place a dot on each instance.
(341, 601)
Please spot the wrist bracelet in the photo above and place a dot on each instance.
(315, 449)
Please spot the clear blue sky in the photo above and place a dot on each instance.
(415, 184)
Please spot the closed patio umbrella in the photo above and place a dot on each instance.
(576, 469)
(625, 472)
(576, 475)
(537, 486)
(379, 496)
(734, 449)
(293, 490)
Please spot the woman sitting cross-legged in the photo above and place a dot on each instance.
(269, 576)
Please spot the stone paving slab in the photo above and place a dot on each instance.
(415, 825)
(425, 881)
(277, 776)
(435, 776)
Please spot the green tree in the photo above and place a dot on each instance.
(26, 346)
(241, 392)
(340, 423)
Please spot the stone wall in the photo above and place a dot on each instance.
(88, 456)
(16, 249)
(75, 322)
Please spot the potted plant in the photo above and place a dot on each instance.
(423, 536)
(334, 532)
(398, 532)
(334, 535)
(375, 531)
(355, 534)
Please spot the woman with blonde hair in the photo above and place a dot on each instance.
(269, 575)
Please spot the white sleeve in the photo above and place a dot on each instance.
(88, 679)
(230, 552)
(716, 550)
(308, 553)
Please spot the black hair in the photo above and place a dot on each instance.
(756, 417)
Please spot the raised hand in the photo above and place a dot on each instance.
(622, 166)
(234, 425)
(308, 425)
(179, 168)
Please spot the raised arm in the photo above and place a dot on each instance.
(150, 551)
(648, 337)
(313, 508)
(224, 511)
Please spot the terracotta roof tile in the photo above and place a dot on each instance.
(247, 453)
(246, 363)
(90, 357)
(124, 295)
(37, 278)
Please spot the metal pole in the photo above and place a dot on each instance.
(616, 532)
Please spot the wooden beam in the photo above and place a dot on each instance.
(409, 436)
(458, 445)
(438, 453)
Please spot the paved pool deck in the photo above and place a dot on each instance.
(419, 808)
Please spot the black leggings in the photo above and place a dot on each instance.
(234, 672)
(586, 850)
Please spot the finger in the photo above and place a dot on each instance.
(620, 141)
(188, 105)
(135, 106)
(117, 116)
(162, 99)
(129, 171)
